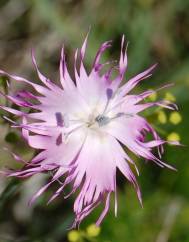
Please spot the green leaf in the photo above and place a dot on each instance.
(11, 137)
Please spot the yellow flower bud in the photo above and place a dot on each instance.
(93, 230)
(153, 97)
(73, 236)
(175, 118)
(173, 137)
(162, 118)
(170, 97)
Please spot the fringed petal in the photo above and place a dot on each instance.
(82, 128)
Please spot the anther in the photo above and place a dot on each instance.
(62, 120)
(59, 140)
(59, 119)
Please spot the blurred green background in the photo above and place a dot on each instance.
(157, 31)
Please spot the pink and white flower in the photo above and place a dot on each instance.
(82, 127)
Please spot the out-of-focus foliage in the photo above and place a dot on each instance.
(157, 31)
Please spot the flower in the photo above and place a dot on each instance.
(81, 128)
(74, 236)
(175, 118)
(170, 97)
(173, 137)
(153, 97)
(93, 230)
(162, 118)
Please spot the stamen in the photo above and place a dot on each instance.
(59, 140)
(109, 93)
(59, 119)
(127, 115)
(66, 121)
(66, 135)
(103, 120)
(62, 120)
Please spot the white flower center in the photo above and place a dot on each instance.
(99, 117)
